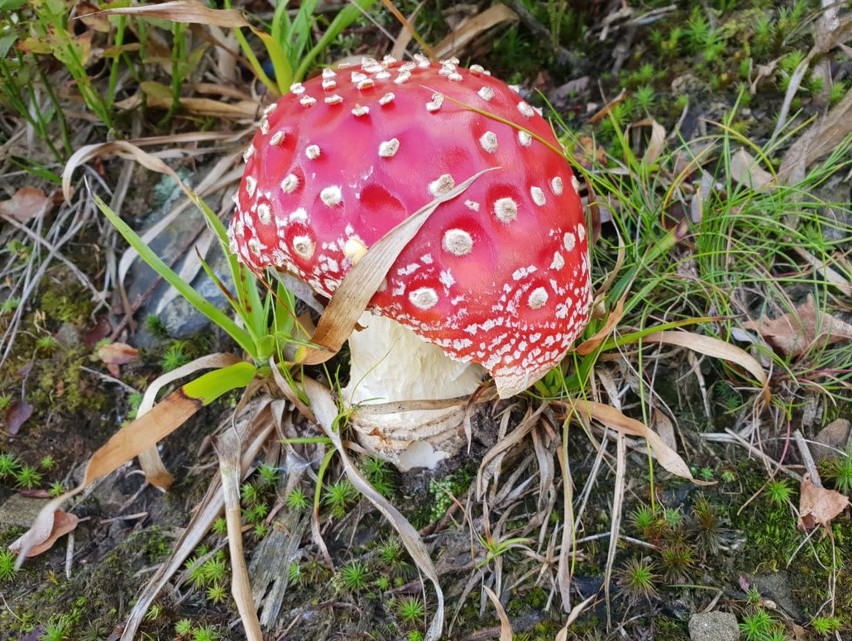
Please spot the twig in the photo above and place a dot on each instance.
(732, 437)
(807, 459)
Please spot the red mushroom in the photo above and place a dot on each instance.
(498, 276)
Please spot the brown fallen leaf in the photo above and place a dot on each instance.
(657, 141)
(115, 354)
(26, 204)
(63, 523)
(746, 170)
(17, 414)
(819, 506)
(795, 332)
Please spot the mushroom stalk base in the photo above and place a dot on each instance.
(389, 363)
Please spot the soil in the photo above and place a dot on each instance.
(706, 547)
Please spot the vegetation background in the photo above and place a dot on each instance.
(714, 143)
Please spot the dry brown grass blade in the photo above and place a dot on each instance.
(614, 419)
(716, 348)
(325, 411)
(506, 633)
(187, 11)
(228, 449)
(576, 611)
(832, 29)
(833, 277)
(120, 148)
(823, 137)
(364, 279)
(455, 43)
(242, 110)
(405, 36)
(563, 568)
(220, 174)
(409, 28)
(615, 518)
(254, 428)
(155, 423)
(152, 465)
(591, 344)
(142, 434)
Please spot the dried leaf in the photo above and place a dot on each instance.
(187, 11)
(664, 426)
(17, 414)
(747, 171)
(325, 409)
(591, 344)
(118, 354)
(820, 139)
(27, 203)
(576, 611)
(612, 418)
(506, 633)
(89, 14)
(61, 524)
(798, 331)
(819, 506)
(657, 141)
(470, 29)
(712, 347)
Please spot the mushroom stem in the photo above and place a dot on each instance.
(389, 363)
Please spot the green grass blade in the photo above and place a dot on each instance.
(343, 19)
(213, 313)
(210, 386)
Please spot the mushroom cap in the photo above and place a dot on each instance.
(498, 275)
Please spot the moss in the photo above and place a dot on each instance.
(66, 303)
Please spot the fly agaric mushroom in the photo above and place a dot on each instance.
(497, 277)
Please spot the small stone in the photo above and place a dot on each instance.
(713, 626)
(20, 511)
(837, 435)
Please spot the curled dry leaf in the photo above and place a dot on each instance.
(806, 326)
(89, 14)
(27, 203)
(62, 524)
(818, 506)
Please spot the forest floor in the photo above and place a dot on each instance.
(715, 145)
